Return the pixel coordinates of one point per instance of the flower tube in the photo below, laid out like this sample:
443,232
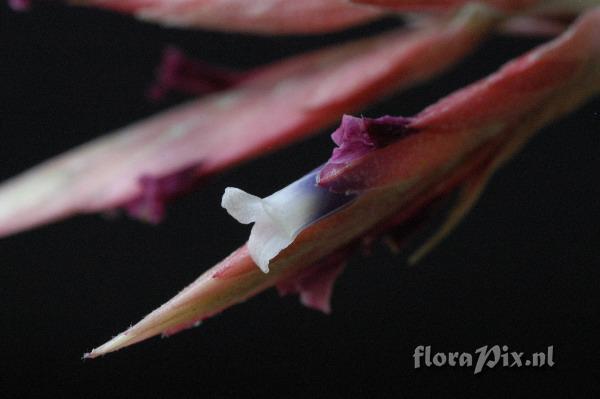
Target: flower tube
280,217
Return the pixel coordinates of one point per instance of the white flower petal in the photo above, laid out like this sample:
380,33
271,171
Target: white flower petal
280,217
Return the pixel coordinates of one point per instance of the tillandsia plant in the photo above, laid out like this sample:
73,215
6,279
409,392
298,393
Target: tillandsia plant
385,174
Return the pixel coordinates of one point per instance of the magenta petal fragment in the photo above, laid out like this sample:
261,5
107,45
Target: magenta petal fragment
358,136
178,72
315,283
19,5
352,139
149,205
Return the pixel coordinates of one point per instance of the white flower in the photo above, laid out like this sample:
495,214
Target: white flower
280,217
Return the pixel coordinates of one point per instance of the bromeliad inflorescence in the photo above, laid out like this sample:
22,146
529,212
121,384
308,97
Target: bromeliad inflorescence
384,173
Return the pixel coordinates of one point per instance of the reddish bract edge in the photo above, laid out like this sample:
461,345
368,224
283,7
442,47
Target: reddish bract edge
271,108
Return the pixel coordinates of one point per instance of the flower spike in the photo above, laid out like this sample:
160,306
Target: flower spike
458,142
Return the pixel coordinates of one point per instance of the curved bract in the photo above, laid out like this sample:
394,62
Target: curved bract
141,166
264,17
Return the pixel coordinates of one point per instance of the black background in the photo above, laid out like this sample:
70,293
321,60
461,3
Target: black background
522,269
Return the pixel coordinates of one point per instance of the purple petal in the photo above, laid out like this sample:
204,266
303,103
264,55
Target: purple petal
149,205
358,136
315,284
19,5
178,72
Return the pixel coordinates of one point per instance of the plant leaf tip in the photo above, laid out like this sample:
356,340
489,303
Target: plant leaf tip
118,342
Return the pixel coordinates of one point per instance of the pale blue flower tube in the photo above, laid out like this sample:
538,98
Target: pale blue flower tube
280,217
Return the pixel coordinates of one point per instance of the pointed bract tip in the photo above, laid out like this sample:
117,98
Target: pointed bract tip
120,341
